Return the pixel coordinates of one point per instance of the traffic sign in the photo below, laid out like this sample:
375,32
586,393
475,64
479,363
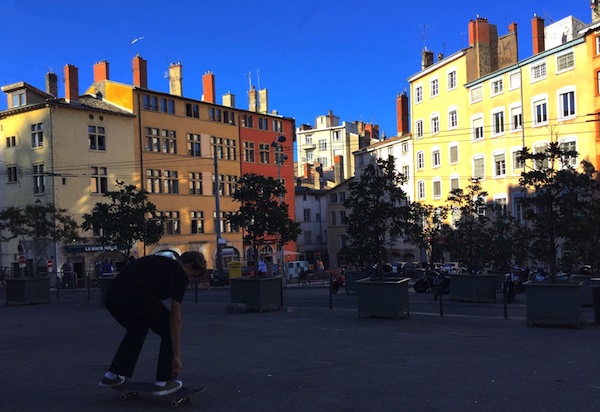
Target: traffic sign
22,261
49,265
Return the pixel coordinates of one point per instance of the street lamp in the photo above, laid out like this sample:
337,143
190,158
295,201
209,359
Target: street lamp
280,158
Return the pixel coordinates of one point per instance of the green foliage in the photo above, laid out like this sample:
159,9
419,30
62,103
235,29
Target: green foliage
261,214
378,211
126,218
426,229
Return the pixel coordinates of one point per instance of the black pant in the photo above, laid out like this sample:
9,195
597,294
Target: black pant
137,314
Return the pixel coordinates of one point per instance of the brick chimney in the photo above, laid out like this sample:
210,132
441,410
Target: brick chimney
176,79
52,84
252,99
71,83
537,32
402,113
208,84
263,101
101,71
426,59
140,72
338,169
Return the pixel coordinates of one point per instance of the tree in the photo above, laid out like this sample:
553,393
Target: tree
261,215
127,218
470,239
40,224
508,239
427,230
561,203
378,210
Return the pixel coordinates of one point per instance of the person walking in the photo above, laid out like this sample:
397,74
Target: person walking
134,299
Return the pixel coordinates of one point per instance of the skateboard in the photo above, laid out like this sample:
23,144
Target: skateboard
183,395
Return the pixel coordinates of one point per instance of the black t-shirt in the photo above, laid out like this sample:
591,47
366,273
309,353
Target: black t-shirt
156,276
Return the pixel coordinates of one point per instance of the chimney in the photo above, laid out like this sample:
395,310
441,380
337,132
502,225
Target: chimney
140,72
71,83
402,113
101,71
512,28
176,79
208,83
263,100
330,118
252,99
479,31
338,169
52,84
595,10
537,31
229,99
440,56
426,59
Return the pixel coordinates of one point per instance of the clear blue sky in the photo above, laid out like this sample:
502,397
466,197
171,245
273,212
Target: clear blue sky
349,56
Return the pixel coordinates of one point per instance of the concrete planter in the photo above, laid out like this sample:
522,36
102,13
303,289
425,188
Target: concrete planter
387,298
25,291
261,294
473,288
554,304
586,289
350,280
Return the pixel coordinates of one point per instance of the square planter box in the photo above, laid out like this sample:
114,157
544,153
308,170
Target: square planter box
554,304
586,289
473,288
24,291
387,298
351,278
261,294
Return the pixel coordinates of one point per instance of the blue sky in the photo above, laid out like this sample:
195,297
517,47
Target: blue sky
349,56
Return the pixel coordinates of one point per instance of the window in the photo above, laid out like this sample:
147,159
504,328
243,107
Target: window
249,151
566,104
436,158
197,222
565,61
538,71
193,144
150,102
497,86
225,148
247,120
342,217
404,148
518,209
333,198
453,154
342,197
454,182
497,123
307,215
11,172
514,80
167,105
499,164
229,117
540,112
308,139
406,172
225,226
435,123
195,183
97,138
322,144
277,126
98,180
418,94
152,139
39,179
420,160
307,237
153,181
569,145
476,94
435,87
477,128
419,128
170,181
192,110
169,141
540,148
263,153
597,45
437,188
231,182
478,168
500,205
517,162
11,141
336,136
452,82
263,123
171,220
214,114
19,99
452,118
333,218
37,135
421,189
278,155
516,118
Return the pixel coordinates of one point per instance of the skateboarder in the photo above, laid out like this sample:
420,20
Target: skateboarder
133,298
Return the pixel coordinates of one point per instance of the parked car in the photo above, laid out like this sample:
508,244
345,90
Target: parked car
453,268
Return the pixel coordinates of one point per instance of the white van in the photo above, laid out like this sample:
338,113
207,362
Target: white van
293,268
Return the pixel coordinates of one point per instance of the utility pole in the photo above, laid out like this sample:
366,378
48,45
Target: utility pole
218,216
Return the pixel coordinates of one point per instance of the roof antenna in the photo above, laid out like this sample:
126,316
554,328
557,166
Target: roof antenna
258,78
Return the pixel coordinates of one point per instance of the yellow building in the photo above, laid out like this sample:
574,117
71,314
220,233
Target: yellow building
473,127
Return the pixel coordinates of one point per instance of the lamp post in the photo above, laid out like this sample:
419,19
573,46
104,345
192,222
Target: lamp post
280,158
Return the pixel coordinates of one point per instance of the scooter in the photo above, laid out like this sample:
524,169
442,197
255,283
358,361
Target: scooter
431,282
338,281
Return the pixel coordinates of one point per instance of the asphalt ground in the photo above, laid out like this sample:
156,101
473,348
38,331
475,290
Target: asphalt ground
306,357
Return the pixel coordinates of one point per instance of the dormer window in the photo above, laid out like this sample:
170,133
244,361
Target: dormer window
19,99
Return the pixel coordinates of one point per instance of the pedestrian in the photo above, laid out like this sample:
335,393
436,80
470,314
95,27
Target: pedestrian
68,274
134,298
107,268
262,267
